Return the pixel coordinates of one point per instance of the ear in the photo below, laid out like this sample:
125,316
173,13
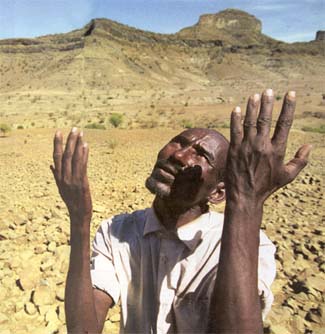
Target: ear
218,194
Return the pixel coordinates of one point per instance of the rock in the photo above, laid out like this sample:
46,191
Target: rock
320,35
40,249
30,308
3,319
43,295
28,278
61,314
298,324
317,283
19,306
51,316
51,247
60,292
3,293
279,329
48,263
111,328
115,317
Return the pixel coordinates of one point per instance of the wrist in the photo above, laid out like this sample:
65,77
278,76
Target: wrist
244,201
246,209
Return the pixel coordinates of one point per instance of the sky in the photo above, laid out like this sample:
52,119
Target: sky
290,21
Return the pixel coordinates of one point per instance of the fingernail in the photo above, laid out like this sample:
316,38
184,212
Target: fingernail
269,92
237,110
256,97
74,129
292,94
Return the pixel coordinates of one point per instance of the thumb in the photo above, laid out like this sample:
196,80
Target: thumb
300,160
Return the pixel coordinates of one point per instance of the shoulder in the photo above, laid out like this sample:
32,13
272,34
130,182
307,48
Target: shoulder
125,226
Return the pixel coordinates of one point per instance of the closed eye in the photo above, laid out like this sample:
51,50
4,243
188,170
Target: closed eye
202,152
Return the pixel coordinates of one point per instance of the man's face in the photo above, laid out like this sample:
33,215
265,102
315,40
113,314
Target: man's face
186,168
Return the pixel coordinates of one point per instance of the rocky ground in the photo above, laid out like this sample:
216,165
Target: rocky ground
34,227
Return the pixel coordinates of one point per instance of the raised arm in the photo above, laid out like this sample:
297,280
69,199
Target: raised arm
255,169
85,307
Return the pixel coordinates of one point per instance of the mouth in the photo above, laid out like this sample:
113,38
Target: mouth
162,175
168,168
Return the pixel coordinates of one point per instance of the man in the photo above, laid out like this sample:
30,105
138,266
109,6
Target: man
162,262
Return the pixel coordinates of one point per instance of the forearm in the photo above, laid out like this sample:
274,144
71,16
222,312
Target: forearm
79,299
236,301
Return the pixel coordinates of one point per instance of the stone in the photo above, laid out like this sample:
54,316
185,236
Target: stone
43,295
279,329
28,278
30,308
51,247
60,292
51,316
110,327
115,317
61,314
316,282
3,319
19,306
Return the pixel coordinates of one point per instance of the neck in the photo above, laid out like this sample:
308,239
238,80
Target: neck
173,216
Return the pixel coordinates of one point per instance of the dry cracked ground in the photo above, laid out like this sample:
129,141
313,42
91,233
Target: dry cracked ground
34,227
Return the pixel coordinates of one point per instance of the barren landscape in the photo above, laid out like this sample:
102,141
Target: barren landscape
130,91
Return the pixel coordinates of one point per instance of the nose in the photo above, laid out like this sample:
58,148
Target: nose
183,156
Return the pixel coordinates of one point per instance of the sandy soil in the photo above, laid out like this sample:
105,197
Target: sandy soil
34,226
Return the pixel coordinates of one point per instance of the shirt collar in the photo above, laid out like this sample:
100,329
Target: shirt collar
190,234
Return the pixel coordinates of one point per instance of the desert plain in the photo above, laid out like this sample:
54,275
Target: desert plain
159,85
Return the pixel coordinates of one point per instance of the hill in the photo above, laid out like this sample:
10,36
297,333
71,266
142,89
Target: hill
108,67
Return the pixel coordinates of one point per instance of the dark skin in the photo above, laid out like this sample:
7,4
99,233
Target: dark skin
188,165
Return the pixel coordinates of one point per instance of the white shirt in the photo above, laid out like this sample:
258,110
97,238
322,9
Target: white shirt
165,279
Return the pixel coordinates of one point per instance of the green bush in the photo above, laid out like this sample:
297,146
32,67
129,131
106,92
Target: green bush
96,126
116,119
187,124
4,129
320,129
20,127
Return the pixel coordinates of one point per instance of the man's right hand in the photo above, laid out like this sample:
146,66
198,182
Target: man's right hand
70,173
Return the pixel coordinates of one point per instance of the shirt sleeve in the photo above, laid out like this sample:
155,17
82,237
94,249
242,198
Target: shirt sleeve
266,272
103,274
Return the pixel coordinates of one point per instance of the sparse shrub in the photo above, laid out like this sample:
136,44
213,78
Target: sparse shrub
225,125
20,127
187,124
4,129
112,143
278,97
320,129
116,119
96,126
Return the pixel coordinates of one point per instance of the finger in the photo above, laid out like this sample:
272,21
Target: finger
294,166
57,155
264,119
77,160
250,117
68,154
236,131
284,122
54,173
85,157
85,164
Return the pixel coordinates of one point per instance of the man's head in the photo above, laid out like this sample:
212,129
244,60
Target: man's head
190,168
